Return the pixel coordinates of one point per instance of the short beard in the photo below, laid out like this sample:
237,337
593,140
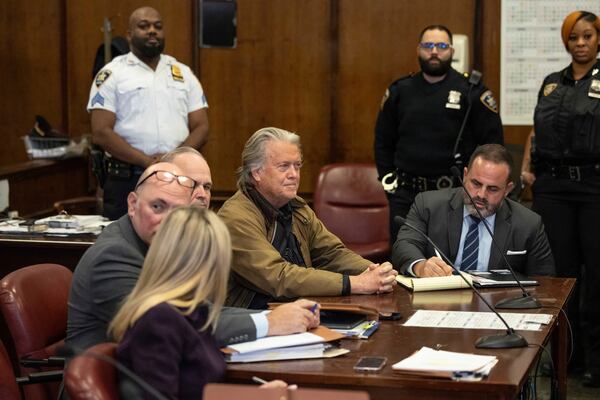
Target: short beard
472,209
148,52
435,70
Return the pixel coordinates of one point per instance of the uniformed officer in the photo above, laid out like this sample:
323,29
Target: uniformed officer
143,104
565,179
417,129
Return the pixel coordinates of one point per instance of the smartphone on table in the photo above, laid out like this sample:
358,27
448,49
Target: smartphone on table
370,364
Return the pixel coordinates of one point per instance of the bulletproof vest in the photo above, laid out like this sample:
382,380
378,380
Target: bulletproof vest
567,123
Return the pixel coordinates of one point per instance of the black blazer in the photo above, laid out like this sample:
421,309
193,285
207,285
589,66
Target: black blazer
439,214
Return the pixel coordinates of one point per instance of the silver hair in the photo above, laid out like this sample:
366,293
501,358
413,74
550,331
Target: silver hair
254,153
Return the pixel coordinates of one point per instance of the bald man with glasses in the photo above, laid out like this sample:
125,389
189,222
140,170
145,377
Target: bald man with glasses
422,113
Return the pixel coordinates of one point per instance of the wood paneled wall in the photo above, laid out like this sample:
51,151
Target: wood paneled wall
31,49
316,67
279,75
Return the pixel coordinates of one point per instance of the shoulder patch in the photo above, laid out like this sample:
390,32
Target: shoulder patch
176,73
488,100
102,76
549,88
384,99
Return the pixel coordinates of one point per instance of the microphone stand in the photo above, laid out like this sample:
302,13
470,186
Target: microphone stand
473,80
522,302
509,340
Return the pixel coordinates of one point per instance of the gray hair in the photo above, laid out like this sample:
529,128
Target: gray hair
254,153
170,156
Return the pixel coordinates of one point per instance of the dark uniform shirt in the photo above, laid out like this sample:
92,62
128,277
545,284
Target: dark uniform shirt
419,122
567,134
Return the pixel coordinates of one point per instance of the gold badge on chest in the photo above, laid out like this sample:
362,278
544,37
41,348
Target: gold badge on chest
453,100
176,73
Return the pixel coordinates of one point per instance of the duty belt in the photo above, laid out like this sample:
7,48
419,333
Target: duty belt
120,168
572,172
423,183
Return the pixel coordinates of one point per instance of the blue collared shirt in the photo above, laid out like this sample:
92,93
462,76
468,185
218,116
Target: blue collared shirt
485,241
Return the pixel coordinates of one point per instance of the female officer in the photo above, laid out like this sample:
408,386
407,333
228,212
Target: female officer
565,174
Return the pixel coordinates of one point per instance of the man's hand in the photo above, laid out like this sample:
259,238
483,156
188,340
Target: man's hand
378,278
293,318
435,266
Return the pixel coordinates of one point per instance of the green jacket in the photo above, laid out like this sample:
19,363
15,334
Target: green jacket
258,267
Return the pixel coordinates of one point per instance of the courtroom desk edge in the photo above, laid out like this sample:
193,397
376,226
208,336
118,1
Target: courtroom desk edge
48,241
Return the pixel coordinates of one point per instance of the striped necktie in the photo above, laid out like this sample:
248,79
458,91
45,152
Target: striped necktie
471,246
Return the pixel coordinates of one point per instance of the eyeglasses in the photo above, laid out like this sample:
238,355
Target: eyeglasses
438,45
166,176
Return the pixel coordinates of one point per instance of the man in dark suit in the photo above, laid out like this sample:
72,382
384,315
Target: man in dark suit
450,220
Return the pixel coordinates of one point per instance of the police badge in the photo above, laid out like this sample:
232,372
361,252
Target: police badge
176,73
102,76
453,100
594,89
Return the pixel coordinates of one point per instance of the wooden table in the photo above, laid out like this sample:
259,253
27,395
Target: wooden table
18,251
397,342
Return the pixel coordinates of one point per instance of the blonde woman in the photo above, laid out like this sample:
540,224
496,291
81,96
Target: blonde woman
165,326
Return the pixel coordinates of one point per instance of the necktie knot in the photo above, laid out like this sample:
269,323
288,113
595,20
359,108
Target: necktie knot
475,220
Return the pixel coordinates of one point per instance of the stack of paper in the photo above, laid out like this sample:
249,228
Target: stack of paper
288,347
435,283
447,364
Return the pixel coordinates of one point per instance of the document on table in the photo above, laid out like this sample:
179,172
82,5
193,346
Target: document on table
477,320
297,346
458,366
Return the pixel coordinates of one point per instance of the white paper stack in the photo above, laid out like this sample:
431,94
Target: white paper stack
288,347
447,364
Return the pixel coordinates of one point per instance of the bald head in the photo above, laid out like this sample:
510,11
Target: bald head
158,191
193,164
142,13
145,34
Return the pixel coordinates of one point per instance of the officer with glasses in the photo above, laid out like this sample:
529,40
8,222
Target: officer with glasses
417,130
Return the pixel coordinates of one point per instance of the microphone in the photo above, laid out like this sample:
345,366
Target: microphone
129,388
522,302
474,79
511,338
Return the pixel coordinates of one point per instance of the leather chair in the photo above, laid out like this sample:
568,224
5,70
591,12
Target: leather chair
9,384
352,204
220,391
33,301
88,376
9,390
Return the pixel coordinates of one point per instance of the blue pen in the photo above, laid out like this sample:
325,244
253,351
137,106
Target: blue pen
313,309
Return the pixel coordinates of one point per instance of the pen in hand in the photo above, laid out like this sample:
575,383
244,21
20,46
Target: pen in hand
261,381
256,379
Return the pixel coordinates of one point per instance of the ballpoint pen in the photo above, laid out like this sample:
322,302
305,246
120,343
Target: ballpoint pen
256,379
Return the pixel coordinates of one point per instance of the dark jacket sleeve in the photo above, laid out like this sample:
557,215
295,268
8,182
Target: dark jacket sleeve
410,245
486,123
235,326
386,130
540,260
